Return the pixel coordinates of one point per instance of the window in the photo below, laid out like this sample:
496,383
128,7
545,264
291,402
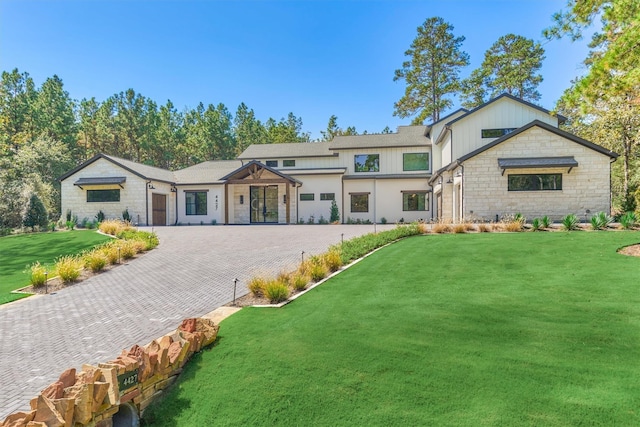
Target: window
415,162
327,196
360,202
272,163
367,162
307,197
288,163
103,195
415,201
196,202
535,182
496,133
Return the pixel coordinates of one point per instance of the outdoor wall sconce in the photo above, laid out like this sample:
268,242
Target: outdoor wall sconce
284,198
450,181
241,199
150,186
174,189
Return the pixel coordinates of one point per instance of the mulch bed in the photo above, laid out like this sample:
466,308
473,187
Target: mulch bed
633,250
56,284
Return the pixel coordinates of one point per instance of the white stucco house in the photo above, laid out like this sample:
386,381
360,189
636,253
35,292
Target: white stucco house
507,156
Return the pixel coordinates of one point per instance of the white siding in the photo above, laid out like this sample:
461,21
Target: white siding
390,159
504,113
215,205
317,184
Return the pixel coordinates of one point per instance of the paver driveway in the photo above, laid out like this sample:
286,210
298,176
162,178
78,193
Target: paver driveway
190,274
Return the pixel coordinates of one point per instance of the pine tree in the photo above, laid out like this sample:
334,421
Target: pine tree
36,214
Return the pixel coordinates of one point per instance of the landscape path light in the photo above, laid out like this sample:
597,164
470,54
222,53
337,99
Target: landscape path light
235,282
46,284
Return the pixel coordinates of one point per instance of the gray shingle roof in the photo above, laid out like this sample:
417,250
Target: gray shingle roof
288,150
146,171
206,172
407,136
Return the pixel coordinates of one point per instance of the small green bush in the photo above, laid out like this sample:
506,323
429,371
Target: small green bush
100,216
358,247
37,275
126,216
536,224
545,222
95,260
570,222
69,268
600,221
628,220
334,215
276,291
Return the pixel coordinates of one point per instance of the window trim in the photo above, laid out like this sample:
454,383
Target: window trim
503,132
196,205
404,168
426,200
103,192
355,163
532,182
307,198
351,202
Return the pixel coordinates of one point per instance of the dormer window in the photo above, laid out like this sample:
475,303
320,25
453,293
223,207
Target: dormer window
496,133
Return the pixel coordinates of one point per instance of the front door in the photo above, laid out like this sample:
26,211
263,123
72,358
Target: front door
264,204
159,204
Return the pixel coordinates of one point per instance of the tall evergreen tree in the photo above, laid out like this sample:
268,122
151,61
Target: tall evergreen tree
54,113
35,214
17,98
248,130
510,65
431,73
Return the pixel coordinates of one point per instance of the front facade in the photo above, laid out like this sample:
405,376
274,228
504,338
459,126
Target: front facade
504,157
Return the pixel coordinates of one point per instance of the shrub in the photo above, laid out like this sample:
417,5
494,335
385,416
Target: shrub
276,291
570,222
95,260
126,216
71,225
110,252
37,275
497,226
357,247
383,220
469,226
334,215
284,277
138,245
36,214
323,221
484,228
332,260
69,268
100,216
628,220
127,249
459,228
545,222
442,227
311,220
600,221
257,286
536,224
423,228
114,227
299,281
512,226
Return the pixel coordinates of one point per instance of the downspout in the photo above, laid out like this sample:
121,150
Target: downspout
610,185
297,204
176,193
146,190
462,194
342,196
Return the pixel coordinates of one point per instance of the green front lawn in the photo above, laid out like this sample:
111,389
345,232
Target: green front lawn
463,330
20,251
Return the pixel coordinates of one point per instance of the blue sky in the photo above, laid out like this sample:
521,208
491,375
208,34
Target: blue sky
313,58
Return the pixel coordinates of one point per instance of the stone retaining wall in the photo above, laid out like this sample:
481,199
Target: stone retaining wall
93,396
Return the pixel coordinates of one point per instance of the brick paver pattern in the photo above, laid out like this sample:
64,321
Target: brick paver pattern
190,274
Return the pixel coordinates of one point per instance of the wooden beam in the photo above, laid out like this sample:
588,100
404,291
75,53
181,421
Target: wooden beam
288,204
226,204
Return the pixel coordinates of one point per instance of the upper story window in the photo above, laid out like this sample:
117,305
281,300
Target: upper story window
367,162
103,195
496,133
535,182
415,162
272,163
288,163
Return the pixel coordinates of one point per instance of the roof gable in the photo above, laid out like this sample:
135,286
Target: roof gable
143,171
547,127
255,169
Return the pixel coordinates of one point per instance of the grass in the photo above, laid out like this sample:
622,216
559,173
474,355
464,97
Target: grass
20,251
458,329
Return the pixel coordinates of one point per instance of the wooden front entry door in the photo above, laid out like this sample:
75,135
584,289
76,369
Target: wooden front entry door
159,209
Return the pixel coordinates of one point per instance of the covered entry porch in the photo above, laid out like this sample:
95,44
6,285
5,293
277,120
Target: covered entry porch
258,194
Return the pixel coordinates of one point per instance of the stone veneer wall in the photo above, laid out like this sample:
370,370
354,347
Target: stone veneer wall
586,187
93,396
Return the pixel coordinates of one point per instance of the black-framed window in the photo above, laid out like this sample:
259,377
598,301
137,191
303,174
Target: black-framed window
103,195
367,162
496,133
360,202
289,163
327,196
535,182
415,201
196,202
415,161
272,163
307,197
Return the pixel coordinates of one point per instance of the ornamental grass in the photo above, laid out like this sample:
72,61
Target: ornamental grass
276,291
37,275
95,260
69,268
257,285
